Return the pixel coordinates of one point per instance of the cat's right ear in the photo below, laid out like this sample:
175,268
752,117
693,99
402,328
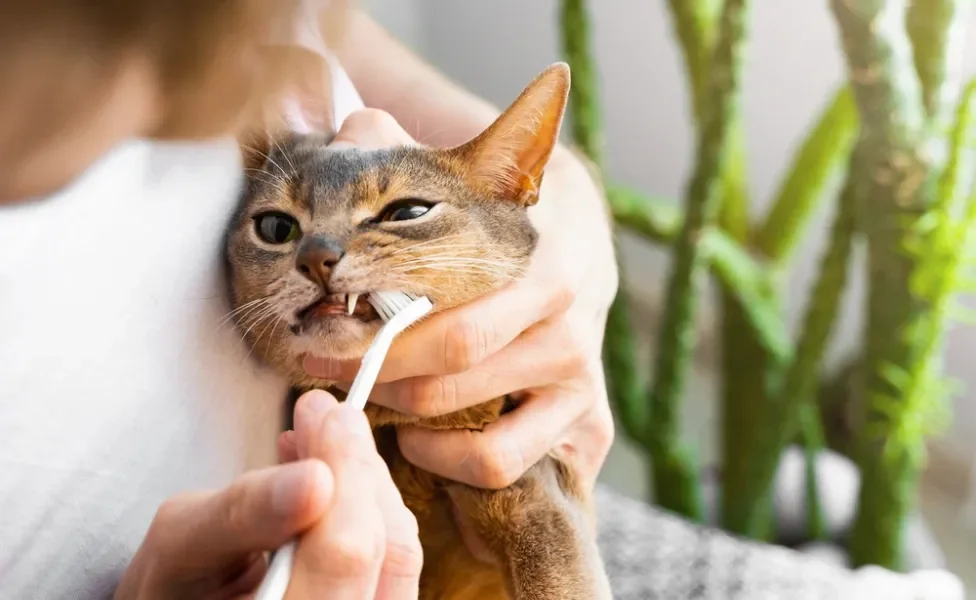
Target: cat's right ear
303,105
508,159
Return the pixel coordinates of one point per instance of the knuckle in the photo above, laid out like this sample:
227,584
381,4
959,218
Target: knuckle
575,363
432,396
403,558
352,551
466,343
235,509
604,430
404,555
173,510
169,511
575,358
499,465
562,297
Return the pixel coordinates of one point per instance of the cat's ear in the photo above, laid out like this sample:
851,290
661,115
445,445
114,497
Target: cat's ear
304,104
507,160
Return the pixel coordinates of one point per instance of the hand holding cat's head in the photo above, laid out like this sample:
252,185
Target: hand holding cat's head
327,217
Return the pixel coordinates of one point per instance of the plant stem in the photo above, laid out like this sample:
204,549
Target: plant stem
897,186
655,220
938,35
781,421
671,467
624,385
813,443
696,25
585,113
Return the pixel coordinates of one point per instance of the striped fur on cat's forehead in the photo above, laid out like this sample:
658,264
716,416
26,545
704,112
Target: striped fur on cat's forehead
306,172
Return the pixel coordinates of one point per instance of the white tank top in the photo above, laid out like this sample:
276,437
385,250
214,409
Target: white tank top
121,382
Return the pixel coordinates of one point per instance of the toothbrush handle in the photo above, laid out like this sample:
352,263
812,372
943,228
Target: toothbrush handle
276,580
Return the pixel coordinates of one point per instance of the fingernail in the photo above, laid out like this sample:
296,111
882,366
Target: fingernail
289,489
318,367
326,368
350,421
319,402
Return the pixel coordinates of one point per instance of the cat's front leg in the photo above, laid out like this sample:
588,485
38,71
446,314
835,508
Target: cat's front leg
540,531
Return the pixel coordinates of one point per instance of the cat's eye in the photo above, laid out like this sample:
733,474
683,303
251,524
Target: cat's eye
405,210
276,228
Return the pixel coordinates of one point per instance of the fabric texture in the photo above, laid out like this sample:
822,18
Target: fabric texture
651,555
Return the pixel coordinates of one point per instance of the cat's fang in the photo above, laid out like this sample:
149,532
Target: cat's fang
351,303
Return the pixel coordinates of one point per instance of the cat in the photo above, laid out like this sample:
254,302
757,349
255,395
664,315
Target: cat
317,225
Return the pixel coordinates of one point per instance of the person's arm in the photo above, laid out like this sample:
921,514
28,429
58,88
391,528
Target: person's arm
432,108
390,77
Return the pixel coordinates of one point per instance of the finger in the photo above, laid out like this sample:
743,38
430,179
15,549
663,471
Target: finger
248,579
587,442
287,447
403,556
311,409
457,339
371,129
543,355
343,553
497,456
259,512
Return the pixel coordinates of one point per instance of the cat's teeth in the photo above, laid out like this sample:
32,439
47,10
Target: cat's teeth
351,303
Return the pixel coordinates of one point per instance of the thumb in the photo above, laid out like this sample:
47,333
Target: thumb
259,512
371,129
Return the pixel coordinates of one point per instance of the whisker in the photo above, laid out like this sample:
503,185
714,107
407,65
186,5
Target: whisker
275,185
285,154
268,158
456,260
260,335
274,176
455,247
466,269
241,312
425,243
272,161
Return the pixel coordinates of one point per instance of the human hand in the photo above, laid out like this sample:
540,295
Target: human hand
367,544
357,541
540,338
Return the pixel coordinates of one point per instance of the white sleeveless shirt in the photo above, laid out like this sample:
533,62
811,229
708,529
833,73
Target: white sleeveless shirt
121,381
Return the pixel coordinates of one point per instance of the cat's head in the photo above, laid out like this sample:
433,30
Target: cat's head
317,226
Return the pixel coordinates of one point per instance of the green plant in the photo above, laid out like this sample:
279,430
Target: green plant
899,133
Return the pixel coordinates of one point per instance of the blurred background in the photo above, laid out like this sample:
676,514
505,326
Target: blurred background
794,64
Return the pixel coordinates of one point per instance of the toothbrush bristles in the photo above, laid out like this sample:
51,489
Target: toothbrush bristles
389,303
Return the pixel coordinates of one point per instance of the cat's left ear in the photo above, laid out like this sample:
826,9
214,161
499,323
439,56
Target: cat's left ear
305,104
507,160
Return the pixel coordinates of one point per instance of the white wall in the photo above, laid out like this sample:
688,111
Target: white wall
794,65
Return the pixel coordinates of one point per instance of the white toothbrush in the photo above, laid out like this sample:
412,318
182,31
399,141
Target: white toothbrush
400,310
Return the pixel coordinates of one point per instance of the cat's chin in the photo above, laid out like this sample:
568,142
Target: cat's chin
338,338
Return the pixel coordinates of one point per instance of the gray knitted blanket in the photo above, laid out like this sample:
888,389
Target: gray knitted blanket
653,555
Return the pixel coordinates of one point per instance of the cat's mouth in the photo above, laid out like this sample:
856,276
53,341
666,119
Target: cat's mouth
339,305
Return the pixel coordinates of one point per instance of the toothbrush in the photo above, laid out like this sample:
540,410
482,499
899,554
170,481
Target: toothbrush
399,310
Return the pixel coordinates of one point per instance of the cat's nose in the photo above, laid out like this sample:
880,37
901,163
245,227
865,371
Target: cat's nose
316,257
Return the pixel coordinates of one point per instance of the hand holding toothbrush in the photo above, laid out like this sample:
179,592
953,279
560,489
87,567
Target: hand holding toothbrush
358,541
539,338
